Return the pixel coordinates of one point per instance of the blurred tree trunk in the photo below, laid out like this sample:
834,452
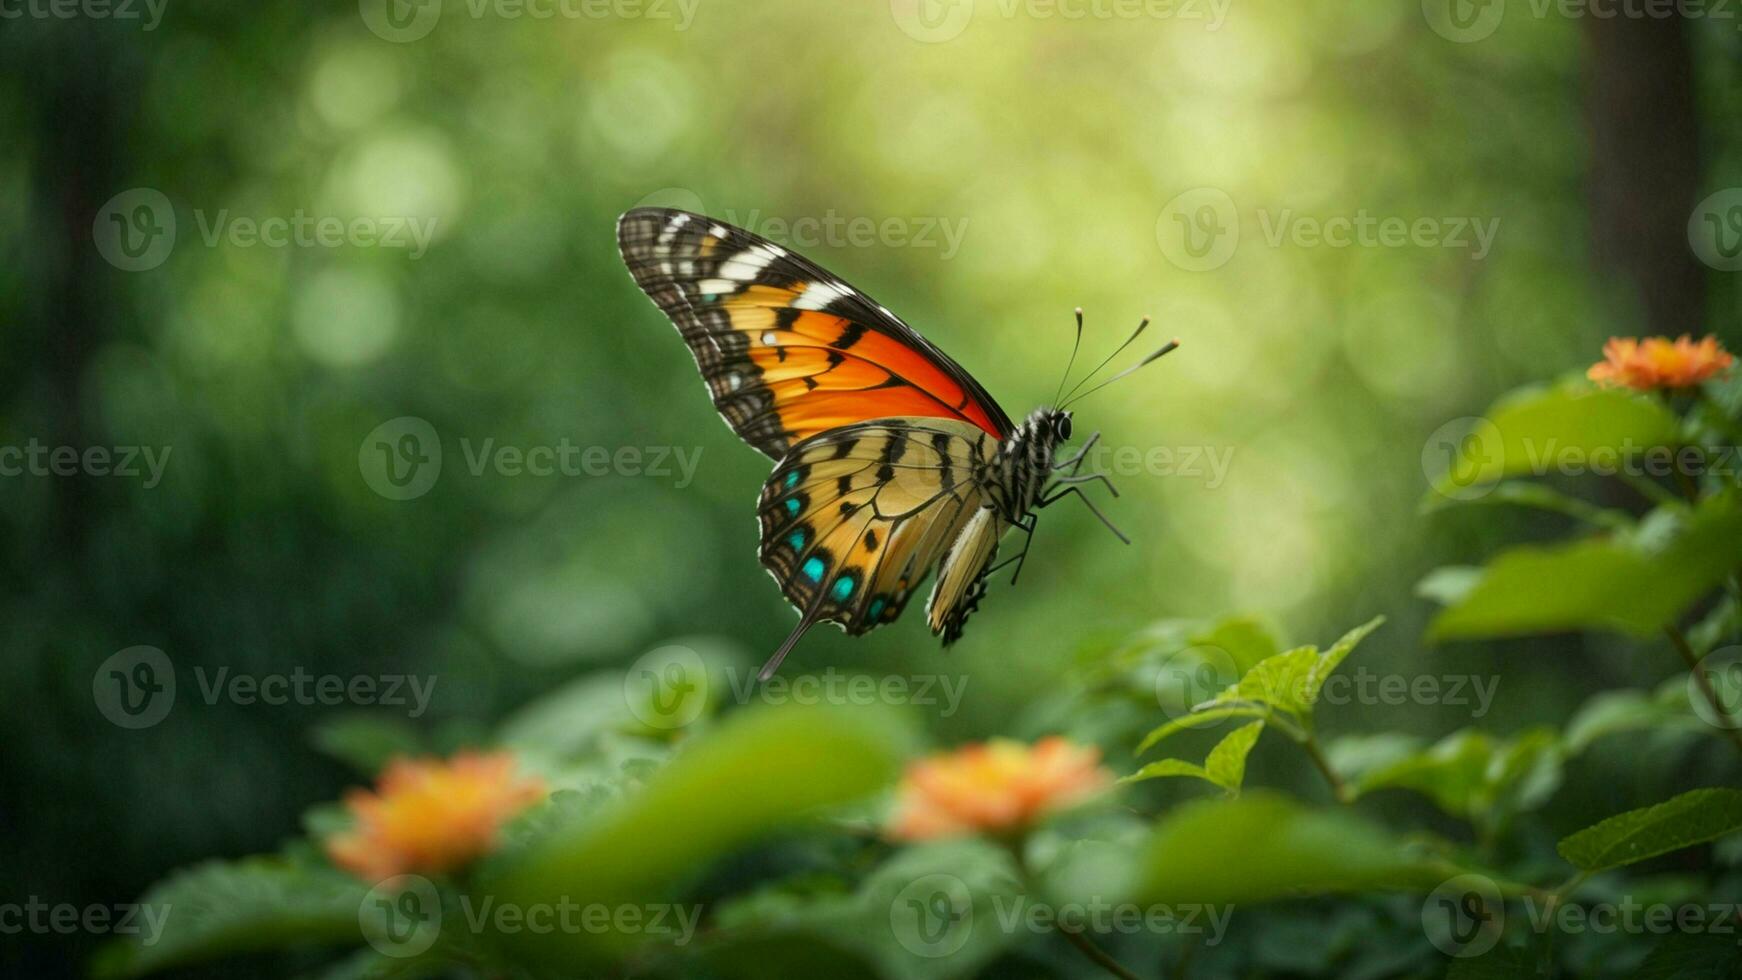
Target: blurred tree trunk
1645,169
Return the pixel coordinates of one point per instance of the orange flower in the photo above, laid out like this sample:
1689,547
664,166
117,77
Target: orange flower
430,815
1658,362
994,787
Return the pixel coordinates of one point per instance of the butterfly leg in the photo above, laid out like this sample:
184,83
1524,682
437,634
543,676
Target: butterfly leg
1076,462
1027,525
1087,478
1044,501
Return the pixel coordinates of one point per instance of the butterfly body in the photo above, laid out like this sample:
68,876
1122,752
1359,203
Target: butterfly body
891,460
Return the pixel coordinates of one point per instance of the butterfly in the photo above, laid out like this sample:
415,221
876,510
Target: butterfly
891,460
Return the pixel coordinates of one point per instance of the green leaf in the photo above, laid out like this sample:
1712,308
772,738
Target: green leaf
1615,712
1451,772
1692,818
1475,776
1540,430
1201,717
1633,584
760,771
223,909
1331,659
1288,682
1499,963
1226,763
1521,493
367,741
1449,584
1292,681
929,912
1263,846
1246,640
1692,956
1225,766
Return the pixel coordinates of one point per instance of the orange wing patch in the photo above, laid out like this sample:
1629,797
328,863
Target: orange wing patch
787,350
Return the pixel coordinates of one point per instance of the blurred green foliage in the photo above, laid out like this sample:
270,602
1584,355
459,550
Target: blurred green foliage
1052,146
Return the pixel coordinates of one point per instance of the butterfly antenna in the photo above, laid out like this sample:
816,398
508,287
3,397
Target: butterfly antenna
1073,360
1134,335
1169,346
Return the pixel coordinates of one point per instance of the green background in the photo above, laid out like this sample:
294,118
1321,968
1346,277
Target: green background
1052,145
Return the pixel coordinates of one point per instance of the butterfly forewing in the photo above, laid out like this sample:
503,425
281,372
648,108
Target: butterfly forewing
788,350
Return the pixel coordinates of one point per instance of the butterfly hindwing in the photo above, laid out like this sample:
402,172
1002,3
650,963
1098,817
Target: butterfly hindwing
789,351
855,518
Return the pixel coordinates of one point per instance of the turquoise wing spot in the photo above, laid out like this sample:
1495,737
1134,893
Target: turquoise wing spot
792,506
814,568
844,588
796,539
876,610
792,479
